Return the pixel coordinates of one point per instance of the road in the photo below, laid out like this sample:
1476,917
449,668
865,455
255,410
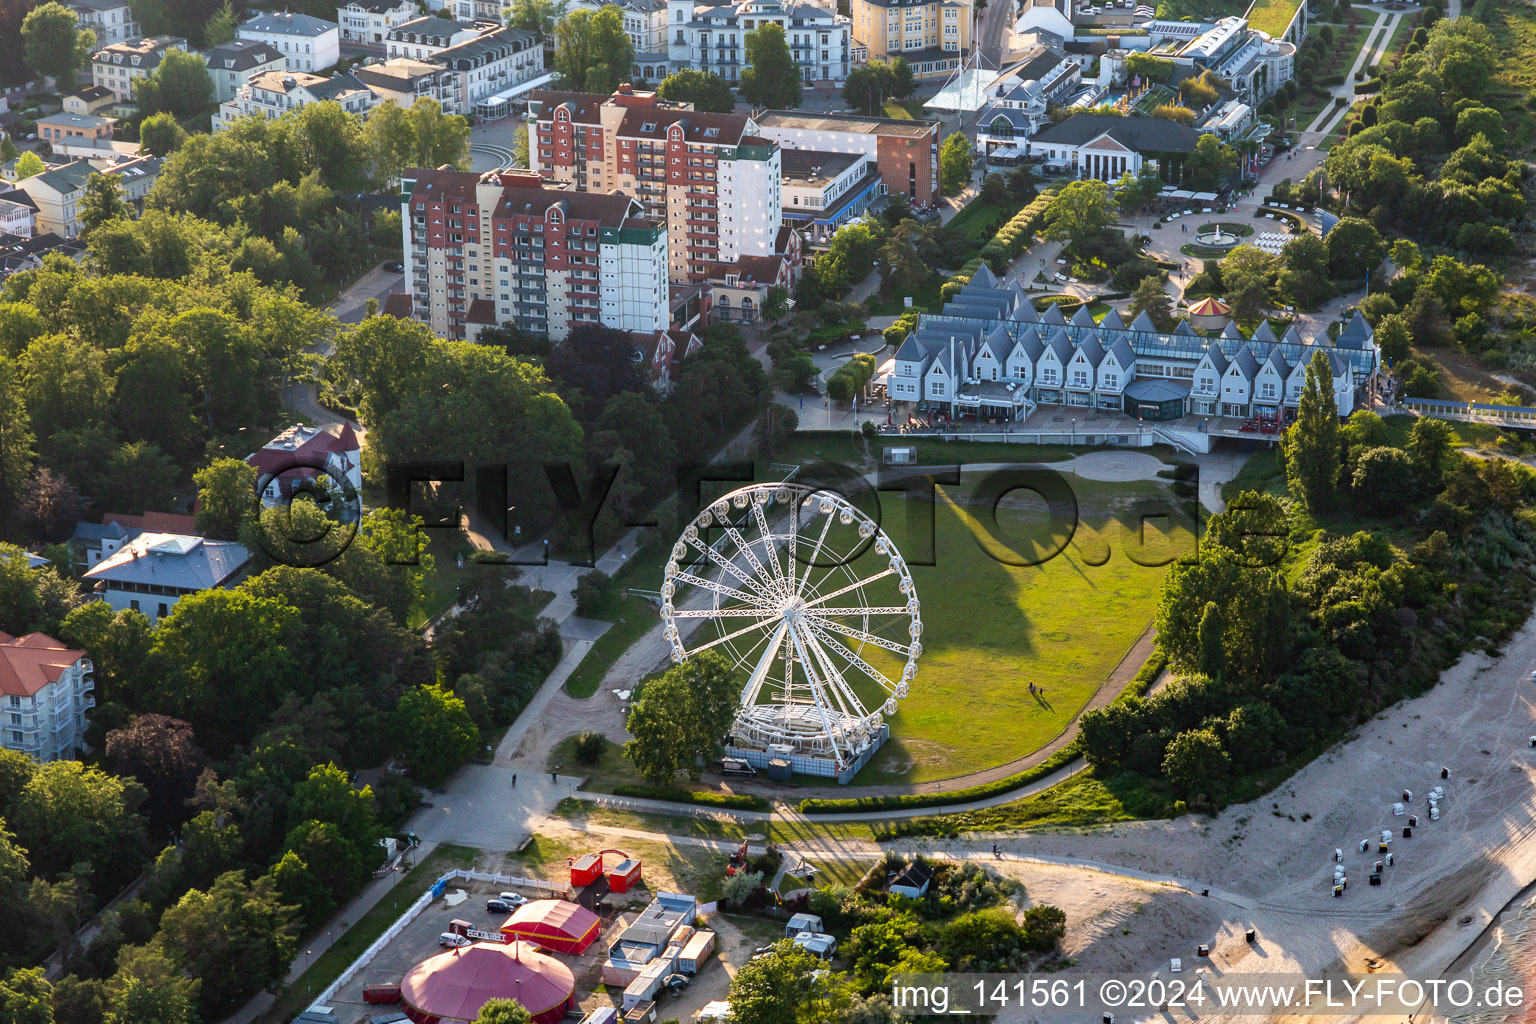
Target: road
996,30
350,308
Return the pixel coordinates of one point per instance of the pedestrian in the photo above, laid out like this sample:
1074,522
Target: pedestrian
514,780
553,777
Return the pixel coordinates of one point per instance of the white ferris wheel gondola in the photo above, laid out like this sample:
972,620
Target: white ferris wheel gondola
799,589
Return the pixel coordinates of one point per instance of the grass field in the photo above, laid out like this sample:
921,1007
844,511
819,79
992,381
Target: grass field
978,218
990,629
1272,16
631,618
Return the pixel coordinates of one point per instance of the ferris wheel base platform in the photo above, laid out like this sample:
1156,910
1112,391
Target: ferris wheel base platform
811,764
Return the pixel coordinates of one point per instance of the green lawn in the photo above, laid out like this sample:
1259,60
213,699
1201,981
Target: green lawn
631,618
990,629
978,219
925,298
1272,16
361,935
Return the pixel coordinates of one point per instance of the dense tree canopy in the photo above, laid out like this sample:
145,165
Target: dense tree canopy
769,77
593,53
704,89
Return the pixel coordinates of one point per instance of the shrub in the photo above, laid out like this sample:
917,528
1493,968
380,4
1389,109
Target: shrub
592,591
590,747
735,801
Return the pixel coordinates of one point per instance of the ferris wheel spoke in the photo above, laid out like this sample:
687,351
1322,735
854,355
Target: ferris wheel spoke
860,635
764,665
810,563
731,567
723,590
818,697
892,609
717,641
725,613
771,543
837,690
769,580
824,598
875,675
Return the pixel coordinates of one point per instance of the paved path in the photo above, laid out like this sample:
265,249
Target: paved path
1329,117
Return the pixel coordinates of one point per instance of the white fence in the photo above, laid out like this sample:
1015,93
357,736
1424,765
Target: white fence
399,924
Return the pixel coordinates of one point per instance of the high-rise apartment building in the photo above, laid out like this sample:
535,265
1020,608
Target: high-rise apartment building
712,179
506,246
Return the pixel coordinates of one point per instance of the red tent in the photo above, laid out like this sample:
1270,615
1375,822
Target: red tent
554,924
452,986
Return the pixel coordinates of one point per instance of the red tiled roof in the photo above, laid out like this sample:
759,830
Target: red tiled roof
397,304
31,662
729,129
481,311
155,522
584,105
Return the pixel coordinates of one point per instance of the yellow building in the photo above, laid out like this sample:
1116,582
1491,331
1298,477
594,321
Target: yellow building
922,31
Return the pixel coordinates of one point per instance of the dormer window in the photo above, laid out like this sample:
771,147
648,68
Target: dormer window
649,126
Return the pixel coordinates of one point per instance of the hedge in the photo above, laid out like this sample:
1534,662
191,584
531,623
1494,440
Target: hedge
736,801
1057,761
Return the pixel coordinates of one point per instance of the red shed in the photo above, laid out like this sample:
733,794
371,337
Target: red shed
555,924
587,869
624,876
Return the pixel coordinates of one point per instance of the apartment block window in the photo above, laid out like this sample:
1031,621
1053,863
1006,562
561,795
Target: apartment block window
936,389
15,702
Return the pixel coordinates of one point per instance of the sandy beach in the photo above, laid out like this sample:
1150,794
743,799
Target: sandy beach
1269,863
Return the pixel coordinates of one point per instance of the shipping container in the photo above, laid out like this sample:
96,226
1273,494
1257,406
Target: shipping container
696,952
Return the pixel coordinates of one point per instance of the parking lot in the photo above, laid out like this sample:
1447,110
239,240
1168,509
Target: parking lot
419,940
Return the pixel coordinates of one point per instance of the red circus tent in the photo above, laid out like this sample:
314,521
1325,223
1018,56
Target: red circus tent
555,924
452,986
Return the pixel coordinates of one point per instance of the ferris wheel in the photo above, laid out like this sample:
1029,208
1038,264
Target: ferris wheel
812,601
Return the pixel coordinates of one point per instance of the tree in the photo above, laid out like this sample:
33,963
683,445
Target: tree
235,938
68,813
56,46
901,262
770,989
1354,248
520,156
28,164
1210,164
221,27
1196,765
147,988
1383,480
1392,336
502,1011
50,506
1311,446
681,717
597,362
438,138
1429,442
103,201
179,85
162,753
8,150
226,494
955,163
16,439
770,77
434,733
593,53
704,89
537,16
775,427
776,303
1151,298
1044,927
1078,212
1304,270
26,997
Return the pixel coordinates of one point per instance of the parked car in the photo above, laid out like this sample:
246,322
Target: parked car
448,940
736,766
498,906
675,983
393,266
512,899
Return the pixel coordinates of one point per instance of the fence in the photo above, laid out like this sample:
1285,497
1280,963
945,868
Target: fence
1522,417
399,924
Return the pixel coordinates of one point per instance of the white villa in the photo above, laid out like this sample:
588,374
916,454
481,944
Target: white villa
991,354
45,691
